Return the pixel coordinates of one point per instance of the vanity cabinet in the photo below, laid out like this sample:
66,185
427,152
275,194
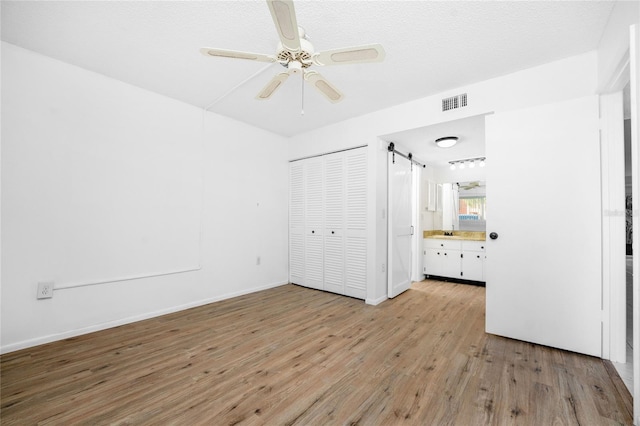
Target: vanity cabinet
442,258
454,258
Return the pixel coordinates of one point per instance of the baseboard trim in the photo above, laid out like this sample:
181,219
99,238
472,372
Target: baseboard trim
116,323
377,301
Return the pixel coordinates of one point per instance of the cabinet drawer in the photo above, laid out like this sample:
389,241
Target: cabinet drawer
474,245
435,243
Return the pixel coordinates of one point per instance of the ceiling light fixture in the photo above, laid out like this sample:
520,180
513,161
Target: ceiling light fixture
460,164
447,141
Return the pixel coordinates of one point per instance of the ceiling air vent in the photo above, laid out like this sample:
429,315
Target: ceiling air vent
454,102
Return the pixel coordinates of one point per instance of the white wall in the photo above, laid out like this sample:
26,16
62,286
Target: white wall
427,218
561,80
244,167
613,50
244,207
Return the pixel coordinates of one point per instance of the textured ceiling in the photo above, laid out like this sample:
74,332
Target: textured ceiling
430,47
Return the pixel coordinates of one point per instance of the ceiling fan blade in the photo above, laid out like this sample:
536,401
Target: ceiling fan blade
323,86
208,51
284,17
350,55
272,86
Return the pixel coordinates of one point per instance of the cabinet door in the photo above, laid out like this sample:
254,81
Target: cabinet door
334,207
433,262
473,260
314,244
355,254
473,266
296,223
451,264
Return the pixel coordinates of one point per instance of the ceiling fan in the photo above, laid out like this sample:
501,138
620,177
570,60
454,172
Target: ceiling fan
470,185
296,54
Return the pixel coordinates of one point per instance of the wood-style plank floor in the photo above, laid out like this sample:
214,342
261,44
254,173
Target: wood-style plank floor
292,355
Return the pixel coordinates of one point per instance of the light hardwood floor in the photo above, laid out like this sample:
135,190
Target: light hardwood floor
292,355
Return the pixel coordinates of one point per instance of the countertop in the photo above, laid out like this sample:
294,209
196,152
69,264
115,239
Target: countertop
457,235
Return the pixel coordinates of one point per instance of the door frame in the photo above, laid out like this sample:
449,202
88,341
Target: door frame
634,69
416,238
613,227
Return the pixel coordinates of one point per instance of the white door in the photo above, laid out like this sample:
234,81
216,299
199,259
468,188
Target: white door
399,225
314,223
356,223
543,185
334,206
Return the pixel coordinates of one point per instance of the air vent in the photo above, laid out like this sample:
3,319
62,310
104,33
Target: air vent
454,102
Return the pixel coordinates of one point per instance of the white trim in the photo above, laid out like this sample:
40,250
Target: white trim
614,317
634,57
416,238
327,153
110,324
377,301
619,77
129,278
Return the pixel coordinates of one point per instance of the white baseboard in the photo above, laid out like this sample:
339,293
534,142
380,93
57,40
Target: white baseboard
377,301
110,324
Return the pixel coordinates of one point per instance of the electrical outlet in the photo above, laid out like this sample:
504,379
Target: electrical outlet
45,290
258,260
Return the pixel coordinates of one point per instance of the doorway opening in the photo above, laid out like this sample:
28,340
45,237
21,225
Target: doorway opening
437,186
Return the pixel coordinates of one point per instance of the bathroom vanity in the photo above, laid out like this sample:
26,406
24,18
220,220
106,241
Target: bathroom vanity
460,256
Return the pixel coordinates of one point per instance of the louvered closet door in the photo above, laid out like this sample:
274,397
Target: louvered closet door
314,226
356,223
334,206
296,223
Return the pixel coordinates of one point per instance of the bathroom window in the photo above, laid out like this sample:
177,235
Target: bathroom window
472,213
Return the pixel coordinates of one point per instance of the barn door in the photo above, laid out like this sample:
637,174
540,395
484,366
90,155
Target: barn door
400,225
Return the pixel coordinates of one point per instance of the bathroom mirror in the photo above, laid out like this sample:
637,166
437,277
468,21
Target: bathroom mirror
464,206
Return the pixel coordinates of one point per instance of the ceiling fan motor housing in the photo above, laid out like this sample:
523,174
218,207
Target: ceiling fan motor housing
303,56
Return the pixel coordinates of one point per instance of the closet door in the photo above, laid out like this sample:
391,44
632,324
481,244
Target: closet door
314,226
334,199
296,223
355,205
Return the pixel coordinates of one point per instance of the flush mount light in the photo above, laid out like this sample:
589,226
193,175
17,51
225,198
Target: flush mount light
447,141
